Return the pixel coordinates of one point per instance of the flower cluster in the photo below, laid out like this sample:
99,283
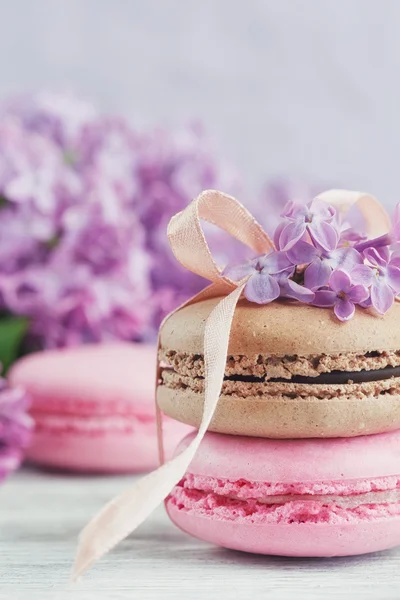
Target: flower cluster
84,204
322,261
15,427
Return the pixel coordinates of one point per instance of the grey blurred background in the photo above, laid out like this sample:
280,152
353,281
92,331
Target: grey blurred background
308,89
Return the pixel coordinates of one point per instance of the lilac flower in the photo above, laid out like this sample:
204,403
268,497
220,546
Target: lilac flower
315,218
321,262
382,275
342,295
264,275
84,205
277,194
15,427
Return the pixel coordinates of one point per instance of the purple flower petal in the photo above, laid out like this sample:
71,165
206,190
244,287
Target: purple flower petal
325,299
275,262
290,234
345,259
287,209
324,234
358,294
393,277
340,281
350,235
291,289
322,209
378,243
384,253
238,272
382,297
294,210
302,253
261,288
277,234
344,309
363,274
317,274
395,259
375,257
366,303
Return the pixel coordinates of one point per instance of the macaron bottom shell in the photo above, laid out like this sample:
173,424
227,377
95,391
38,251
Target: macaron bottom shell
304,498
290,539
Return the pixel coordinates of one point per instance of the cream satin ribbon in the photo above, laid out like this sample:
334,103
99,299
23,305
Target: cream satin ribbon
123,514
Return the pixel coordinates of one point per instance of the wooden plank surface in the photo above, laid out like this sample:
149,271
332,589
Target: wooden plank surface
41,515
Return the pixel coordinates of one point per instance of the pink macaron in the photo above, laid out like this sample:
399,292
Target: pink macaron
309,497
94,408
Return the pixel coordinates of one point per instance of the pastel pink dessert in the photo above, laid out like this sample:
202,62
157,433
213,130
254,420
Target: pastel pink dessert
94,408
309,497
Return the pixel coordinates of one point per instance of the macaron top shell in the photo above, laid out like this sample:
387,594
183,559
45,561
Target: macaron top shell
92,375
285,328
291,461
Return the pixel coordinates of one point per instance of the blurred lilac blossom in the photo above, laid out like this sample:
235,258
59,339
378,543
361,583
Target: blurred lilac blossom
314,218
15,427
85,201
55,116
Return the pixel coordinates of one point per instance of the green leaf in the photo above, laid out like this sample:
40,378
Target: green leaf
70,157
3,202
53,242
12,331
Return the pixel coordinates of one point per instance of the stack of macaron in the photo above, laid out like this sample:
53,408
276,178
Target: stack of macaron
94,408
302,457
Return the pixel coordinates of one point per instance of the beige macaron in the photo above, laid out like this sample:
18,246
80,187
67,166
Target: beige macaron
292,371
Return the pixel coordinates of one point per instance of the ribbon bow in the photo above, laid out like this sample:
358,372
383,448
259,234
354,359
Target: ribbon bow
125,513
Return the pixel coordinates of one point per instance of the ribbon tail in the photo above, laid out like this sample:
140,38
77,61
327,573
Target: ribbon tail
126,512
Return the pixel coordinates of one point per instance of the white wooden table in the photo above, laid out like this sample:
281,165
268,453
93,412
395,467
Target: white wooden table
42,513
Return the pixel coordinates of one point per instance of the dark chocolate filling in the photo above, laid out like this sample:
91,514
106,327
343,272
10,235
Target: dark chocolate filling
332,378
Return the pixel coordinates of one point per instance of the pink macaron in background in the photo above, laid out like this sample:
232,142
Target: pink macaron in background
306,497
94,409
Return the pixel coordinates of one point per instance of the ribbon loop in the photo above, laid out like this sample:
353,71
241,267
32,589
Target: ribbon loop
376,218
188,241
